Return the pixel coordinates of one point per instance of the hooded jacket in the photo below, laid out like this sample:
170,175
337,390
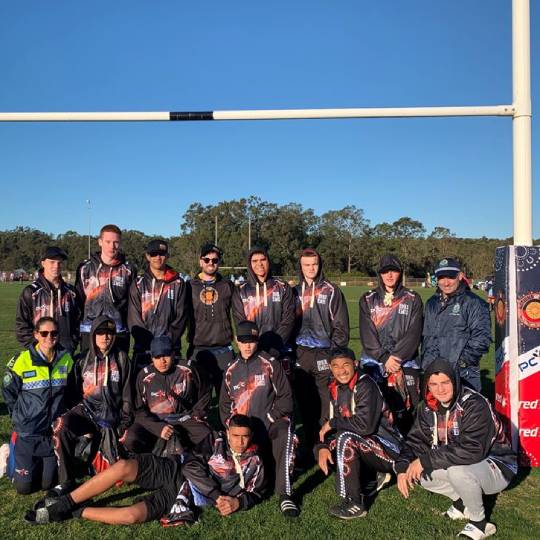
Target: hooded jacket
270,304
359,407
209,312
466,432
42,299
104,290
105,383
157,307
456,328
390,324
322,318
256,387
36,391
178,393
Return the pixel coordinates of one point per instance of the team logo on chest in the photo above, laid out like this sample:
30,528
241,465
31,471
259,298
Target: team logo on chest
403,309
322,298
260,380
209,296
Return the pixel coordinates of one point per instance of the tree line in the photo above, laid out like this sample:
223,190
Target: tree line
346,240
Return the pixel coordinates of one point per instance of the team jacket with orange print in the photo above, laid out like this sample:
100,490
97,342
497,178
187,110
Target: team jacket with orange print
256,387
394,329
157,307
160,396
104,290
42,299
210,312
270,305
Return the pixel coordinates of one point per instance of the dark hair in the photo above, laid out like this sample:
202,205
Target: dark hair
309,252
42,320
241,420
110,228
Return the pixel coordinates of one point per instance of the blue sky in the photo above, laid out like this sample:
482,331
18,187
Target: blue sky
214,55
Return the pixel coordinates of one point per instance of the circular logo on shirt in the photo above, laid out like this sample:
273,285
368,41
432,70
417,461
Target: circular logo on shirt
500,311
529,310
209,296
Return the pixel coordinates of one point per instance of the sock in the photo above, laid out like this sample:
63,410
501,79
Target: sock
480,524
458,505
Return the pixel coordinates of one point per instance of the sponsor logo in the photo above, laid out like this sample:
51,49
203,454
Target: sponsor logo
209,296
456,309
403,309
118,281
499,398
260,380
455,428
322,365
528,432
529,405
239,386
22,472
322,298
530,363
276,297
159,394
115,375
28,374
500,311
529,310
170,294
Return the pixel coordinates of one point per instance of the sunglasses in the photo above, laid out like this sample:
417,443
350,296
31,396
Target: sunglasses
47,333
208,260
157,254
105,332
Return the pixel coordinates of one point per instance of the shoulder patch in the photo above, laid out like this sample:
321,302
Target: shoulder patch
8,377
11,362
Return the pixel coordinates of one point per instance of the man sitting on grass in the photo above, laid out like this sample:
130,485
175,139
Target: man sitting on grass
457,448
232,479
359,436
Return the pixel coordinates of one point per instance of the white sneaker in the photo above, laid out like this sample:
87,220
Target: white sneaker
454,513
4,457
471,531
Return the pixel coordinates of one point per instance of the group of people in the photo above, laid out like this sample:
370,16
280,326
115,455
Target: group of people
409,407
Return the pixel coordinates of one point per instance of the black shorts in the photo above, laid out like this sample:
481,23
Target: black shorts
162,475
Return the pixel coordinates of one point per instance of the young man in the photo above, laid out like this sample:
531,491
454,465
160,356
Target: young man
390,333
49,296
268,302
102,283
255,384
210,330
231,480
457,448
103,377
322,323
34,390
457,324
171,401
157,303
359,437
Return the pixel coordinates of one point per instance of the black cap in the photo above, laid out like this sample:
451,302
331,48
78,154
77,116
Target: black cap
448,268
54,252
247,332
107,324
209,248
341,352
157,246
389,262
161,346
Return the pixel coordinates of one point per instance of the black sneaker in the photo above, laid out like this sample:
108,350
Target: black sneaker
348,509
383,479
61,489
288,507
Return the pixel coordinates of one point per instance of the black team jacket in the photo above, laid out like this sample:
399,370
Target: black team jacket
270,304
393,329
256,387
209,312
157,307
104,290
466,432
322,318
42,299
161,397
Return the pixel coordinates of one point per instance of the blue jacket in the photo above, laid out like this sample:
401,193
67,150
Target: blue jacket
457,329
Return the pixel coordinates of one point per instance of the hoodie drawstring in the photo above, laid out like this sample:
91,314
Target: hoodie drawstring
265,299
155,303
312,299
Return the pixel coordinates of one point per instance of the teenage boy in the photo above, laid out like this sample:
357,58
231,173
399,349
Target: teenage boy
102,283
171,402
157,303
457,447
359,437
255,384
49,296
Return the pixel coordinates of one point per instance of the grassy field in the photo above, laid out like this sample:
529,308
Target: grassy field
391,517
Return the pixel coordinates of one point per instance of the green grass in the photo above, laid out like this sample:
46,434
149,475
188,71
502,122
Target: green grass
391,517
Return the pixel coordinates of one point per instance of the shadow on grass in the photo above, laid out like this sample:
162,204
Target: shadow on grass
3,409
488,385
314,479
522,473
